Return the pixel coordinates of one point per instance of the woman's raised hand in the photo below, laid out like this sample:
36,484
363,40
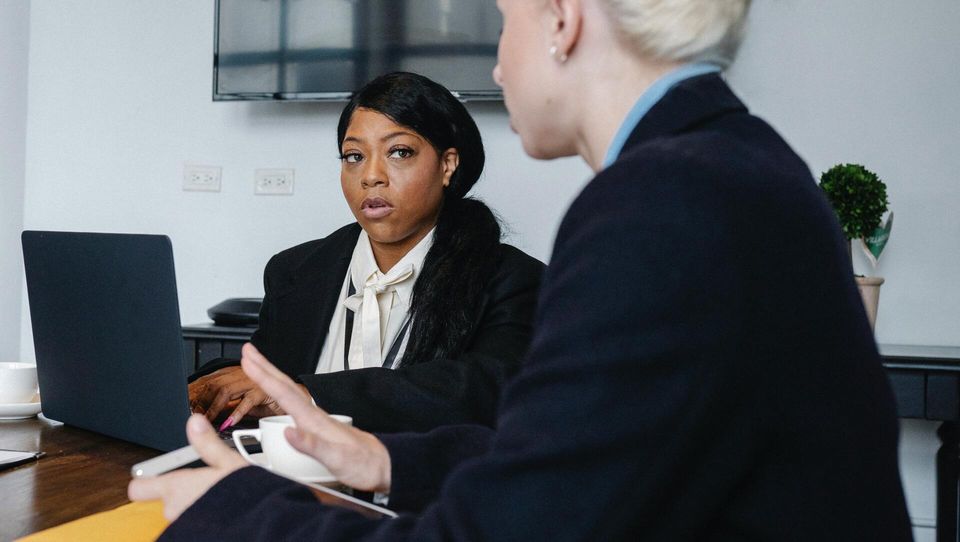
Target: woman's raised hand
357,458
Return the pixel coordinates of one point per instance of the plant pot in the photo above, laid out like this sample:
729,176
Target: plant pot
870,292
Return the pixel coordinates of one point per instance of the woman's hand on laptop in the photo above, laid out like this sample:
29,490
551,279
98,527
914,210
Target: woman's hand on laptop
231,387
357,458
180,489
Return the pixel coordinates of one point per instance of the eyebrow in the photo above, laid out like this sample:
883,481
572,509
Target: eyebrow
391,135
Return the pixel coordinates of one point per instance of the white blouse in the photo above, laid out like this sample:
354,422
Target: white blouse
379,307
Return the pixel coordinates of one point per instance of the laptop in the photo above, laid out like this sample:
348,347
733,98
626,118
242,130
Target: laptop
106,327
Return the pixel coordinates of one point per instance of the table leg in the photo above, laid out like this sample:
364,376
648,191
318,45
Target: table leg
948,476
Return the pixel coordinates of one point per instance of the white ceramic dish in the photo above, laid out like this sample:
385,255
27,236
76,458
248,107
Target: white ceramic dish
19,411
261,460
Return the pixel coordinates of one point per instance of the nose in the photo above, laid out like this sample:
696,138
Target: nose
374,174
497,78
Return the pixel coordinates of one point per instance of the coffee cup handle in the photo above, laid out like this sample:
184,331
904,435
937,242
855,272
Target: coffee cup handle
239,434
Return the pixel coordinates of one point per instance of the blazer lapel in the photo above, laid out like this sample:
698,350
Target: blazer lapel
316,290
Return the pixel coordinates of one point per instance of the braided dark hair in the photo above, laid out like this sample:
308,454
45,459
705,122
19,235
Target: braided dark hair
462,260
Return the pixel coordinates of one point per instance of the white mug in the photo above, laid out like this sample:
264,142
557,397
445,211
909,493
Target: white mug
18,382
279,455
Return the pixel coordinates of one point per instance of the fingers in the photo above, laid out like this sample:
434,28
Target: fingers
279,386
208,445
193,390
303,441
218,404
178,490
173,489
204,389
207,389
227,387
195,393
146,489
318,445
355,457
251,399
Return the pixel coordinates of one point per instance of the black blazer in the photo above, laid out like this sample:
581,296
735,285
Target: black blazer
701,369
301,289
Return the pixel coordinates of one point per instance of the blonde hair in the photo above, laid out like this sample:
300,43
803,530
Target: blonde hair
680,30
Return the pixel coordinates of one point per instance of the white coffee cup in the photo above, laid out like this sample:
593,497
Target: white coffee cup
18,382
280,456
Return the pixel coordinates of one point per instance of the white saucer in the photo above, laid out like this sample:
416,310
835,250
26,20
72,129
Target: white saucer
261,460
19,411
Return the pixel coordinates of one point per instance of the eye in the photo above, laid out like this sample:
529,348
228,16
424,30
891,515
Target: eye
351,157
400,153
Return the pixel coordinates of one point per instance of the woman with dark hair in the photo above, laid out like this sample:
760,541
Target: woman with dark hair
418,299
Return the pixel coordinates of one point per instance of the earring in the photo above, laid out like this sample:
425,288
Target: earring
553,53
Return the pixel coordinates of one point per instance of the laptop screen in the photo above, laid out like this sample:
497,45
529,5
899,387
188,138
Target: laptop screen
106,328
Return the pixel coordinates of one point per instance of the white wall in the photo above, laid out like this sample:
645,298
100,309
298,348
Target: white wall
119,97
14,42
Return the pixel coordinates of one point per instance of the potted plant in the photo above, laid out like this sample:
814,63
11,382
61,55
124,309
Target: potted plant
859,198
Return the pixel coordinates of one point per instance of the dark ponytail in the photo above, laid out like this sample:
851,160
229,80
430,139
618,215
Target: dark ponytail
464,255
455,274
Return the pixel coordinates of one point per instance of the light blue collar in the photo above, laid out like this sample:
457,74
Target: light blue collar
648,99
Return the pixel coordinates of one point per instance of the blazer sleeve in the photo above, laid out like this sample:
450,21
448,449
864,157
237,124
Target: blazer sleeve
276,508
464,390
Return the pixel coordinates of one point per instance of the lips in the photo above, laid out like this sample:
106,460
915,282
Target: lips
376,207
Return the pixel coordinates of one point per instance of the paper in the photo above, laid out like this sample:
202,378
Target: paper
12,458
130,523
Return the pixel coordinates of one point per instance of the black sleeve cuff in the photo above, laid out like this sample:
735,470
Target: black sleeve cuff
420,462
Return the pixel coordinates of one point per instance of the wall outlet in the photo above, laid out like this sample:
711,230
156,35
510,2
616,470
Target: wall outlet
273,182
201,178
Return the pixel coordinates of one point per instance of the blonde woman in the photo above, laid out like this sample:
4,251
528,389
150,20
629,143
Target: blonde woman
672,392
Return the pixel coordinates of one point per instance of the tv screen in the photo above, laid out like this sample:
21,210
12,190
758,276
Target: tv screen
326,49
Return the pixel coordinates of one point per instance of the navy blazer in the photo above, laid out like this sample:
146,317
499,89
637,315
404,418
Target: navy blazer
302,286
701,369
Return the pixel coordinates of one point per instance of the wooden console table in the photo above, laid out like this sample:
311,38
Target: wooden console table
204,342
926,383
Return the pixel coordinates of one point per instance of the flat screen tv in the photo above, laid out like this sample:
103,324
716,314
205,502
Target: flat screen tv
326,49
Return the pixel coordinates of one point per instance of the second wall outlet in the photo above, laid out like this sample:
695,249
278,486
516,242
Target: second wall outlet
273,182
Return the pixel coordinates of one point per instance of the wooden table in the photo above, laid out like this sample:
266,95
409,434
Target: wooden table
82,473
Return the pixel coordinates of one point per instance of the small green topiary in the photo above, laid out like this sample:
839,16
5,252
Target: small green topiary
858,196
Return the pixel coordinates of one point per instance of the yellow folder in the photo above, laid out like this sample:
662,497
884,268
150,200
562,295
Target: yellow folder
130,523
